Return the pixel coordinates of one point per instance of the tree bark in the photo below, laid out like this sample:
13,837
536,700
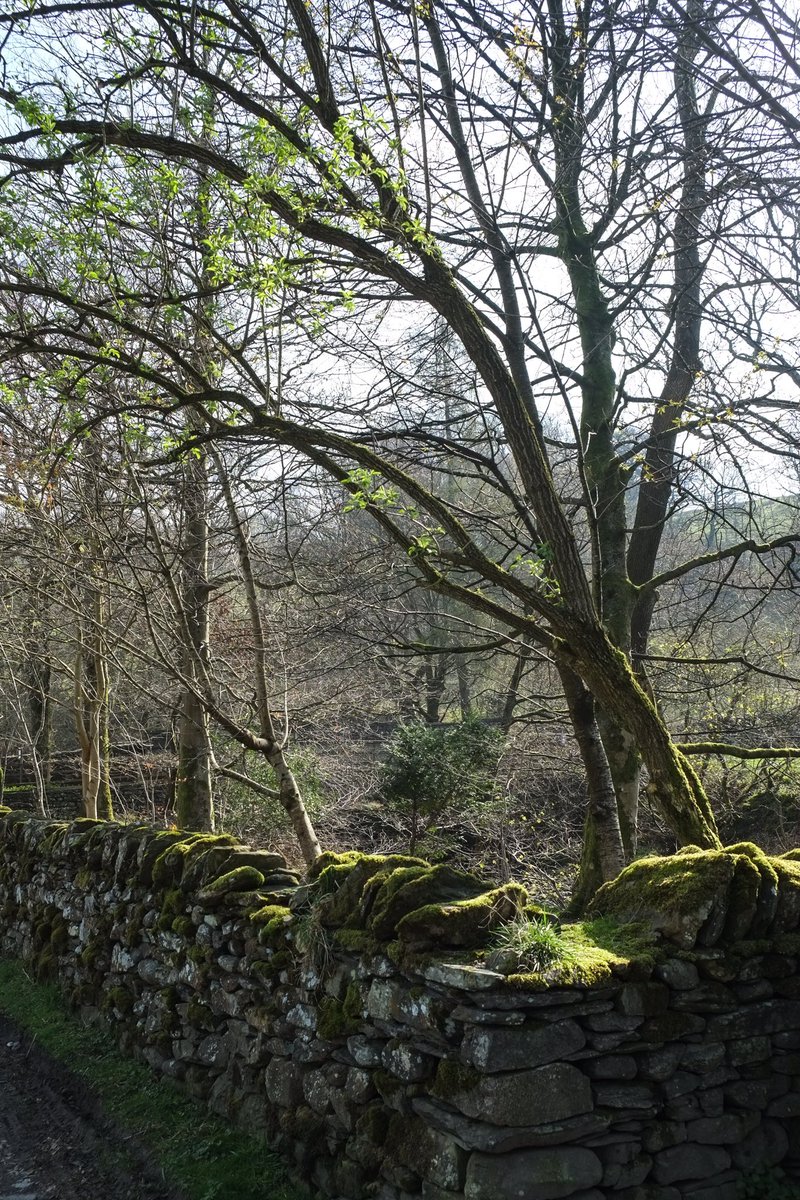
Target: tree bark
274,748
603,855
194,802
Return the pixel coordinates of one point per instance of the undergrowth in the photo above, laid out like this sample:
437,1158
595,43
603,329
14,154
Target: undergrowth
200,1155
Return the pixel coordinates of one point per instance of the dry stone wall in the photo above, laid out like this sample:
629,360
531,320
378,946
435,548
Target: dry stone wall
396,1075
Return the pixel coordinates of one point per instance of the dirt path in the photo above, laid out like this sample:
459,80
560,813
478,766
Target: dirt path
54,1142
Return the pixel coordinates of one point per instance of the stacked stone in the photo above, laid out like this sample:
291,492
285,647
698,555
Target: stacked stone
434,1079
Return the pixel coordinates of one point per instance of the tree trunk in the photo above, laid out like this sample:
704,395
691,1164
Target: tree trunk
274,749
676,787
194,802
603,855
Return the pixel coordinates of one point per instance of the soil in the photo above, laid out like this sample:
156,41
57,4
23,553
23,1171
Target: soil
55,1142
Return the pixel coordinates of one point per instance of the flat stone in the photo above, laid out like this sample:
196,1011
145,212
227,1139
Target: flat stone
493,1139
727,1189
659,1065
611,1066
367,1052
153,973
462,976
486,1016
643,999
660,1135
690,1161
549,1093
707,997
623,1095
756,1093
432,1191
672,1026
766,1146
532,1174
494,1050
518,1000
213,1052
405,1062
722,1130
771,1016
431,1154
628,1174
749,1050
678,975
283,1083
613,1022
648,1191
390,1000
785,1106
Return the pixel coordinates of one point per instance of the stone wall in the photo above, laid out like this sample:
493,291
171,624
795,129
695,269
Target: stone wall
395,1074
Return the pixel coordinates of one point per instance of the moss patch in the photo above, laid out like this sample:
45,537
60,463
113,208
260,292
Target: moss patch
707,896
240,879
676,896
464,923
388,897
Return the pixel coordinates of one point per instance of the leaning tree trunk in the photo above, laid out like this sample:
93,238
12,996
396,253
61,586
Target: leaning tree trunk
273,746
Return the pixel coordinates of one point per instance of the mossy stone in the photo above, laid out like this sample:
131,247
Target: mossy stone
357,941
787,915
742,899
240,879
675,895
463,923
767,903
452,1078
342,906
387,898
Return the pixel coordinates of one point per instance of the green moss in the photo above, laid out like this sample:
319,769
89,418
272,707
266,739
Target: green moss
341,884
332,1024
373,1124
183,926
93,954
594,953
676,895
271,968
173,905
329,858
84,879
390,896
269,913
357,941
155,846
240,879
119,998
275,921
743,895
453,1078
169,865
82,995
200,1015
389,1086
45,965
767,900
464,923
199,954
59,938
353,1003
